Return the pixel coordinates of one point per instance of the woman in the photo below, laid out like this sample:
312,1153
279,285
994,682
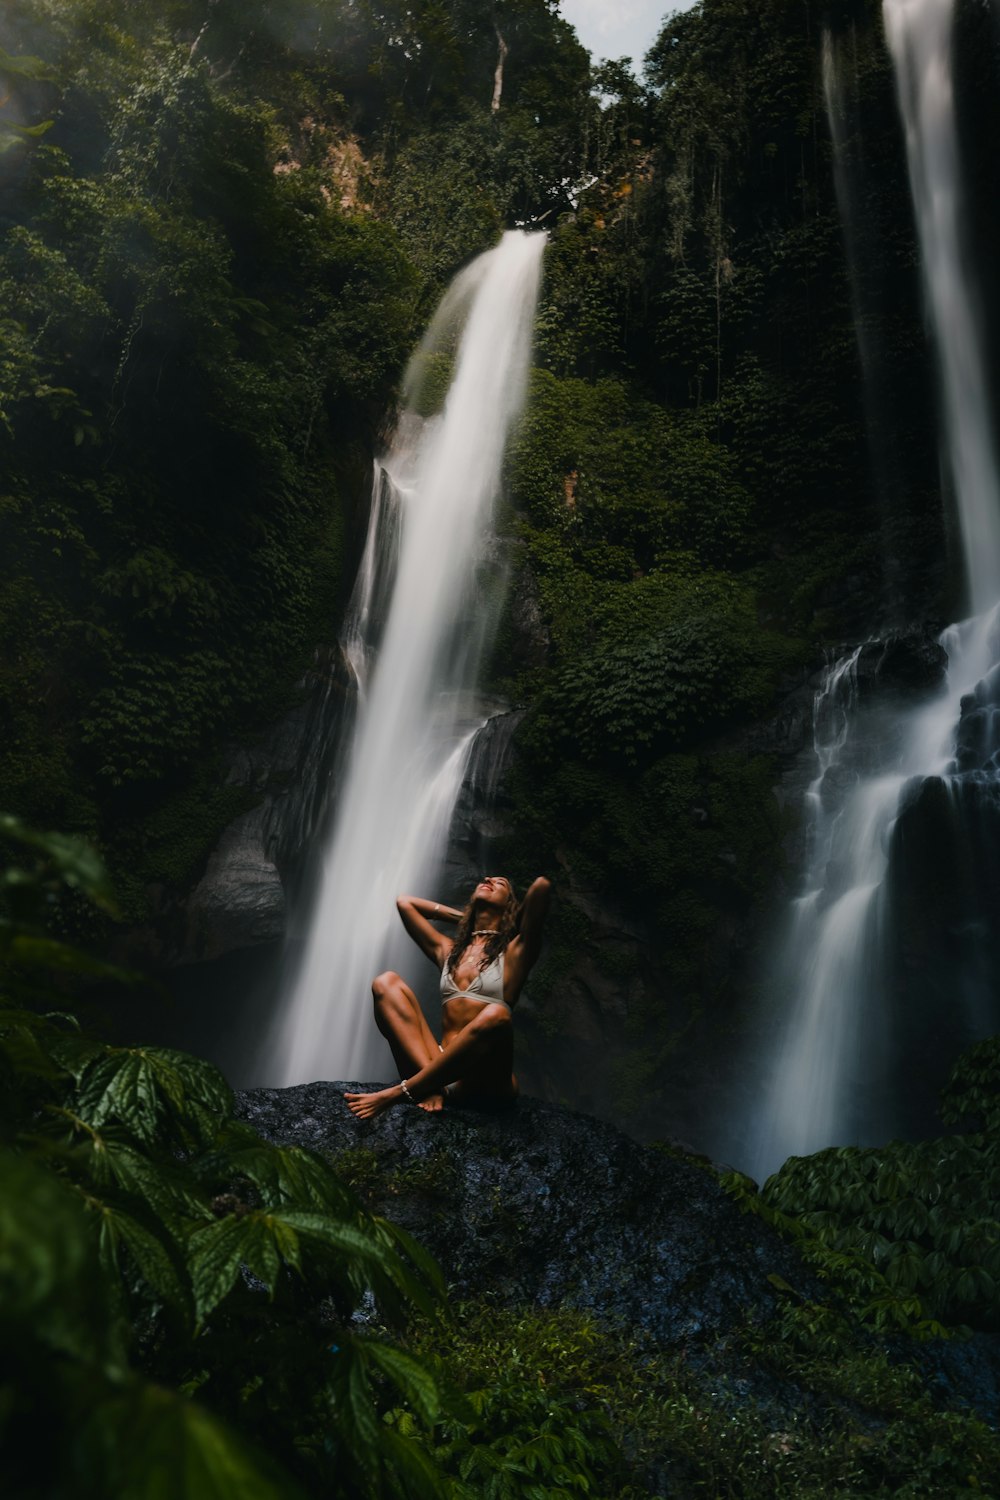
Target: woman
483,970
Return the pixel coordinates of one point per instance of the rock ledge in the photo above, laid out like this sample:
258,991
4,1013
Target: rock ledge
540,1205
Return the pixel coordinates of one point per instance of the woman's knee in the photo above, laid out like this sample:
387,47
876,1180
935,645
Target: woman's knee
385,984
492,1020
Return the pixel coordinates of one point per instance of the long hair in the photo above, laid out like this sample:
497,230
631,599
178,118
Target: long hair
510,921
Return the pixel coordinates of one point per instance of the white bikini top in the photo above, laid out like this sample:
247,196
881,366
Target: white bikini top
486,987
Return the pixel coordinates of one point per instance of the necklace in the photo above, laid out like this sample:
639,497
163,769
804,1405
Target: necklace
484,932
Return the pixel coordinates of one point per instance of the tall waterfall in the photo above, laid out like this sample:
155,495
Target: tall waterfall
905,808
418,622
919,33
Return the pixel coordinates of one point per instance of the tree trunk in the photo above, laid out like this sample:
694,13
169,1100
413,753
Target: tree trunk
498,75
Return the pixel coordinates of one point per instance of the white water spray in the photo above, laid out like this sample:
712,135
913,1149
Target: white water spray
828,1068
827,1077
919,33
416,629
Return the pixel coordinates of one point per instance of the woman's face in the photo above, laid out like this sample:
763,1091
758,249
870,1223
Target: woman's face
493,890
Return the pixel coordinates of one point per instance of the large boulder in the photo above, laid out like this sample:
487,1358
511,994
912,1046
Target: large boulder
541,1205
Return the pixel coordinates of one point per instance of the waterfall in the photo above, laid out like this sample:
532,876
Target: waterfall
419,619
919,33
889,964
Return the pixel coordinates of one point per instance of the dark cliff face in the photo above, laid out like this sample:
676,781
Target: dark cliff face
546,1207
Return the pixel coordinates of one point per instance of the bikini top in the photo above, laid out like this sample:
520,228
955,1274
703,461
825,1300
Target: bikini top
486,987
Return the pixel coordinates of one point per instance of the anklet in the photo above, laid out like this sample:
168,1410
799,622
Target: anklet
402,1084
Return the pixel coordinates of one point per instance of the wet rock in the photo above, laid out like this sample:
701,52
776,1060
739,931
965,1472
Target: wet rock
977,742
240,900
527,635
481,813
911,665
545,1206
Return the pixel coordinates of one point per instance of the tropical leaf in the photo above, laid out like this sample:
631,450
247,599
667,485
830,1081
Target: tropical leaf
151,1444
284,1174
166,1188
74,861
144,1087
218,1252
51,1288
17,135
24,66
154,1257
408,1463
413,1380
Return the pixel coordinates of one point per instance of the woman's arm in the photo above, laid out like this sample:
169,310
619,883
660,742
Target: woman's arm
527,945
434,911
417,914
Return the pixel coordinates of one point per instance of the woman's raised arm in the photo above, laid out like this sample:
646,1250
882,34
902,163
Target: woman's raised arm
417,914
534,910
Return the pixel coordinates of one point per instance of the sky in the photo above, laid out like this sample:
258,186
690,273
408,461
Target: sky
620,28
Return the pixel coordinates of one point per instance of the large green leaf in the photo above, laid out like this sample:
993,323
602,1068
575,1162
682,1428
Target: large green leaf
284,1174
217,1252
167,1190
155,1257
51,1288
151,1444
144,1087
75,861
411,1469
413,1380
24,66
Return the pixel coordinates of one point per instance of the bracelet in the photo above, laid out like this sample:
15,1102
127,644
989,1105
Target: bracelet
437,906
402,1084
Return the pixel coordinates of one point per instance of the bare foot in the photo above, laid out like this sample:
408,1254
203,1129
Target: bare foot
367,1106
433,1103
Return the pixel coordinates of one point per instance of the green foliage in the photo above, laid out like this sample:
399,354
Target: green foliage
972,1093
152,1248
608,473
530,1422
15,71
843,1420
908,1230
193,338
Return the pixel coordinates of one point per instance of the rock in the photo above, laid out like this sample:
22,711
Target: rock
909,665
977,743
543,1206
240,900
540,1206
478,821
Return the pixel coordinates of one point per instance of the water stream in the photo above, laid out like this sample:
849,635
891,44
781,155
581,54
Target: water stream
424,604
905,806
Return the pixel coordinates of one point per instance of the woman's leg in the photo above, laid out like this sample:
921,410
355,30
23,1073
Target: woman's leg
401,1021
480,1055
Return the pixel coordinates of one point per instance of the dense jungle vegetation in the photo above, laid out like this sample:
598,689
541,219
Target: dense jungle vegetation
222,237
189,1310
222,228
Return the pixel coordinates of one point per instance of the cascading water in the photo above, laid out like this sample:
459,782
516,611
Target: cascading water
919,33
418,622
881,974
